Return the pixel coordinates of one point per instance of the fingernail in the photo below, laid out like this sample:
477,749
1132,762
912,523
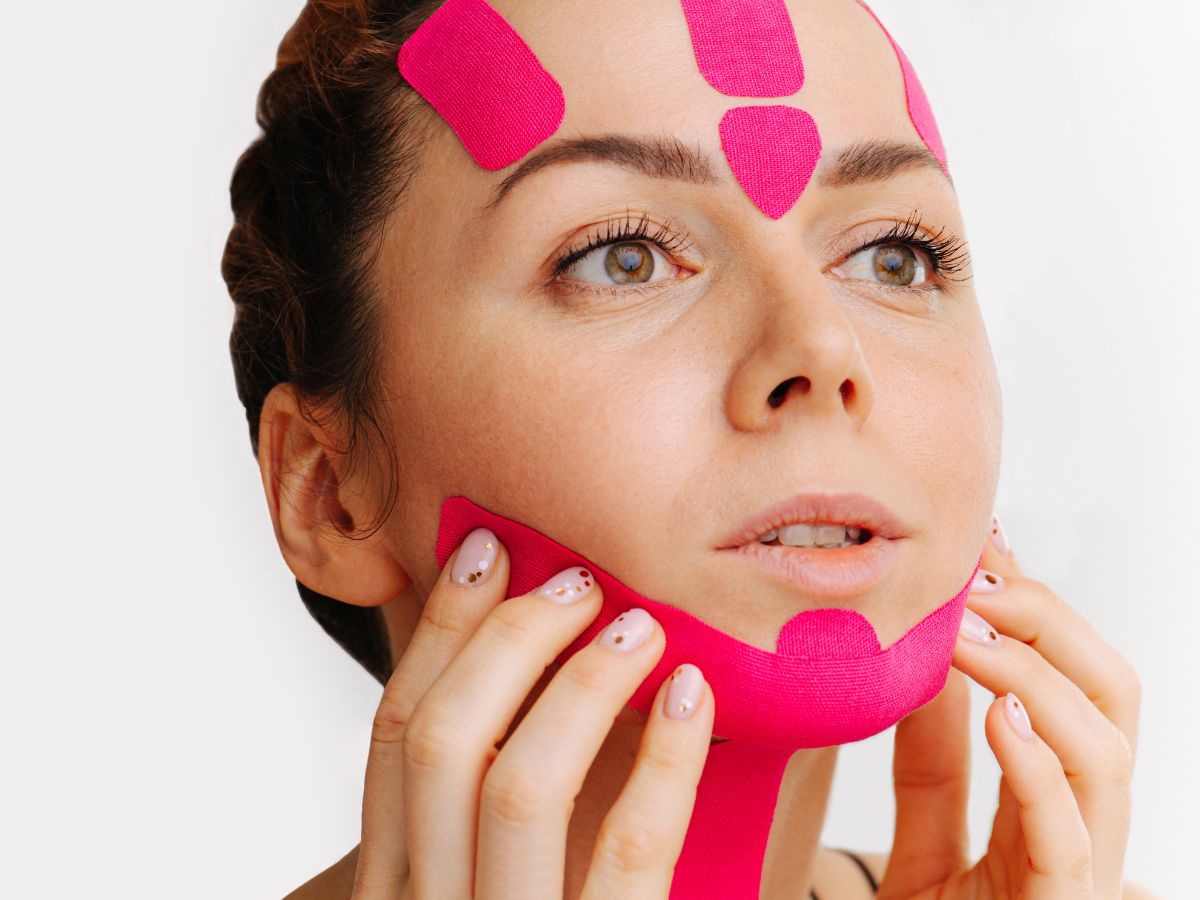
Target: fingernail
684,692
975,627
476,557
1018,718
568,586
986,582
998,535
628,631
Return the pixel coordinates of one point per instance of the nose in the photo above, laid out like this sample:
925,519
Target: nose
805,359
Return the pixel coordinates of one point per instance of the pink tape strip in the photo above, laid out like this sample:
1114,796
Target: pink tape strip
745,48
845,689
773,151
482,78
829,683
919,110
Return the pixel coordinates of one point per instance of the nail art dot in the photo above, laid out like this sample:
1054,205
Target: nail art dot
559,591
990,578
618,638
685,705
488,546
472,577
584,573
992,636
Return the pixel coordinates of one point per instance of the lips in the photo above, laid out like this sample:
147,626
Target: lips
847,508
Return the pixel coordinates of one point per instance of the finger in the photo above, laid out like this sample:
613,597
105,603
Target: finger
450,742
1032,613
642,835
931,773
452,612
527,795
1093,752
998,555
1058,855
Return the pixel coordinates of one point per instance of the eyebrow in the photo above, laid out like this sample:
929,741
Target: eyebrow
670,158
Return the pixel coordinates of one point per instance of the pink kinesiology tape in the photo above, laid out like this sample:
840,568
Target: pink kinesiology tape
919,111
748,48
745,48
828,682
482,78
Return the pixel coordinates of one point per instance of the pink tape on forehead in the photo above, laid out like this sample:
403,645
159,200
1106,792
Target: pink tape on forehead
919,111
748,48
484,81
745,48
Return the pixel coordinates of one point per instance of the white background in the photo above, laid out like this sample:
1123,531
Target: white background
176,724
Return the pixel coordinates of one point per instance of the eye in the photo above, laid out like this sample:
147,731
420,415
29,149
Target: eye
896,265
626,262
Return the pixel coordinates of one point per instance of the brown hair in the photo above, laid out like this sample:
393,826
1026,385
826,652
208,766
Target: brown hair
341,135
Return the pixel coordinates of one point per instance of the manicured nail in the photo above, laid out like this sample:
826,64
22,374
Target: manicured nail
986,582
684,692
998,535
628,630
568,586
975,627
1018,718
476,557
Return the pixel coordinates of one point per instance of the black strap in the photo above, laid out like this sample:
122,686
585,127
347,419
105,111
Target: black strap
862,865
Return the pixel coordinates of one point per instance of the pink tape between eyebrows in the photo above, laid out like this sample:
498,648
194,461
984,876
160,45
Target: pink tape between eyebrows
745,48
920,113
484,81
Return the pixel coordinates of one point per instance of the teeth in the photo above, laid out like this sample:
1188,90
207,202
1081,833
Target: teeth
814,535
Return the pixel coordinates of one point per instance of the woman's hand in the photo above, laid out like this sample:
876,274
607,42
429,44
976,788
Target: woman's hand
457,803
1064,806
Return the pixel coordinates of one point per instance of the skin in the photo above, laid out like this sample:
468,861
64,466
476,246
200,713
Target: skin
634,426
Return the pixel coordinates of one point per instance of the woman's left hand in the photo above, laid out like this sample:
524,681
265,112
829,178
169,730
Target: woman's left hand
1065,800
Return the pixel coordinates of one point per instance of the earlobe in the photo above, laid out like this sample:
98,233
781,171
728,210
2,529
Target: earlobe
312,511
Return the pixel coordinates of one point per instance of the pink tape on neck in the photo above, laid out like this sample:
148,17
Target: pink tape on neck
482,78
829,682
920,113
748,48
745,48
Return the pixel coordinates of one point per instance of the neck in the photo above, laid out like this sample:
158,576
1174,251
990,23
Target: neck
796,816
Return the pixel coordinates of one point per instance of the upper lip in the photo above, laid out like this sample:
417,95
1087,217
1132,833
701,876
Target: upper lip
836,507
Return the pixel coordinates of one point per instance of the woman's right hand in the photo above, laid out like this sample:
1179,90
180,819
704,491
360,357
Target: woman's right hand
448,815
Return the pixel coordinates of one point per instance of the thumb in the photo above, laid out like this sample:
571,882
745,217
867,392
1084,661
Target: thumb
931,774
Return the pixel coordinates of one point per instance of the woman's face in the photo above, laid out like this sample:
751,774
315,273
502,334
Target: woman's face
628,416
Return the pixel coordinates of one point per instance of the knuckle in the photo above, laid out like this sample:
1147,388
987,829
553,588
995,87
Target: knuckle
513,794
390,722
1079,866
510,621
585,675
660,761
1119,759
632,846
431,738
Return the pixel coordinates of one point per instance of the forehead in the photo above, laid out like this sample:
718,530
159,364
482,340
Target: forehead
630,66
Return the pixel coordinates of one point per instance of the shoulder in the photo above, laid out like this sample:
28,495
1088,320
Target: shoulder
335,883
877,863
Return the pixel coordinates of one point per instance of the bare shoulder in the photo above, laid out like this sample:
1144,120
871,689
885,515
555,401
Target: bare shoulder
877,863
335,883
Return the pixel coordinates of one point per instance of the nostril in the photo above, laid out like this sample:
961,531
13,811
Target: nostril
780,392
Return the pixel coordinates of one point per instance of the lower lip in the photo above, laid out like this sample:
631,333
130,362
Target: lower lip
839,573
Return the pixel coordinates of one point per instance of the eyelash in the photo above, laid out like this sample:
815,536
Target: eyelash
665,238
946,255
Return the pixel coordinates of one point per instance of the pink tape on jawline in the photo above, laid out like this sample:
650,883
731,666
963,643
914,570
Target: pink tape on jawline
748,48
920,113
829,682
484,81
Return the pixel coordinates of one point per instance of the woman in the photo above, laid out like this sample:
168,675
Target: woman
615,337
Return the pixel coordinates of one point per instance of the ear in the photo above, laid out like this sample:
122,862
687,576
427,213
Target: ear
302,475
